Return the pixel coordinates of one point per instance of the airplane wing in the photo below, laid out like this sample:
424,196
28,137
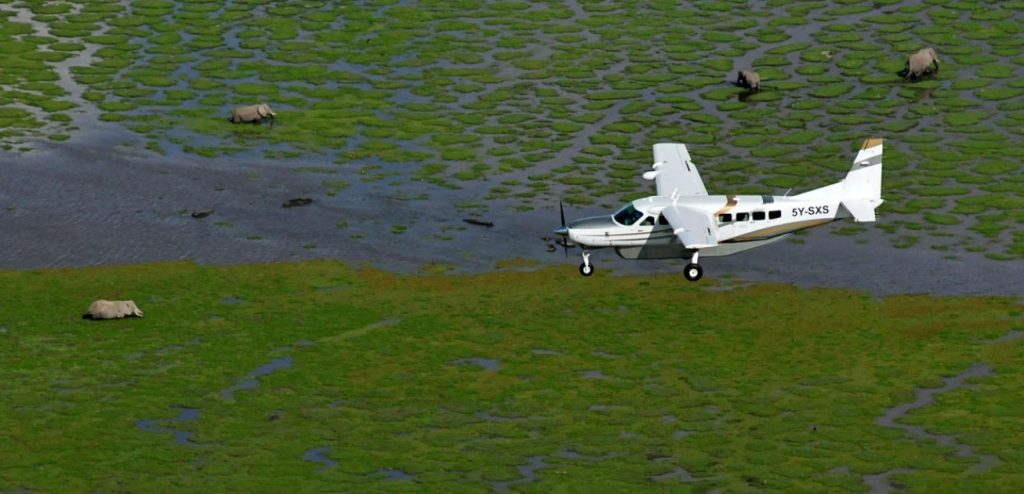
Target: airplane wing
674,174
693,226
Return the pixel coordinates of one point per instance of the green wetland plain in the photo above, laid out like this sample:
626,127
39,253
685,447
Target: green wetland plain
531,101
316,377
335,376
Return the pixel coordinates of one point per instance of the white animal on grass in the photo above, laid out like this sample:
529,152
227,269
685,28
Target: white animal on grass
112,309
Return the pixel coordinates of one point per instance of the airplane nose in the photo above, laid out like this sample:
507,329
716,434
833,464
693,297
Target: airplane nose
562,230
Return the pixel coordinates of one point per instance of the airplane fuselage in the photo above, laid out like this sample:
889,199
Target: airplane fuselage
683,220
639,231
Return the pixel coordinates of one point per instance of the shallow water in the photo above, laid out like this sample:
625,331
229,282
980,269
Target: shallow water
319,455
252,379
677,473
393,474
926,396
83,182
491,365
159,425
880,483
527,472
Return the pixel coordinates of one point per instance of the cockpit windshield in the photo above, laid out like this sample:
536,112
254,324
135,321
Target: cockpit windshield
628,215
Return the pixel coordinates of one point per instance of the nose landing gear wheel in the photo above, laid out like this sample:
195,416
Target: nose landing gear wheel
586,269
693,272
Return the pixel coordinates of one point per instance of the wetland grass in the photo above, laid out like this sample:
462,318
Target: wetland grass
770,392
497,91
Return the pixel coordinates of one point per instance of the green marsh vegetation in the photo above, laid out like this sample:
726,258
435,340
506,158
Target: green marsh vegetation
457,381
504,96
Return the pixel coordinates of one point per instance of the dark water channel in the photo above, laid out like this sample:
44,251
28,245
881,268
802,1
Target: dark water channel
251,381
160,425
319,455
880,483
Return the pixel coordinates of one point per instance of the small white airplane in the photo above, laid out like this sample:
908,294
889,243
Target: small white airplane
683,220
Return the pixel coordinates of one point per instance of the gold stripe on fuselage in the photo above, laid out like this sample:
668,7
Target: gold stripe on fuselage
781,229
729,204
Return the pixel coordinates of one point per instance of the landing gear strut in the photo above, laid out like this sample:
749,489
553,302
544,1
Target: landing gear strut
693,271
586,269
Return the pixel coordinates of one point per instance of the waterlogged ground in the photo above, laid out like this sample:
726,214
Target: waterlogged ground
516,104
316,377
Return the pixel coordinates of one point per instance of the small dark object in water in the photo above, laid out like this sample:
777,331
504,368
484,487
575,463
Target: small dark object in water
298,201
552,248
202,213
474,221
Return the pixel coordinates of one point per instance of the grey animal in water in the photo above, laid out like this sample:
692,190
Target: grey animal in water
748,79
112,309
920,64
298,201
251,113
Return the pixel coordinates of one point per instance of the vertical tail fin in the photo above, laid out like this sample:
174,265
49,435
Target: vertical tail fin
864,181
862,188
861,191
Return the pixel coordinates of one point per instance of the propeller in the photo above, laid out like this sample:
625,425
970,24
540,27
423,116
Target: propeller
562,231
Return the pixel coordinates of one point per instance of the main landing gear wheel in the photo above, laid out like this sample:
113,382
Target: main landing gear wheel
693,272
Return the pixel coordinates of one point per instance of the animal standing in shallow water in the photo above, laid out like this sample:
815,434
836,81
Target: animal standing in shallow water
112,309
920,64
748,79
251,113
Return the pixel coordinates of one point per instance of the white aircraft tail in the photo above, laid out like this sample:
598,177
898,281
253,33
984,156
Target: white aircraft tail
861,191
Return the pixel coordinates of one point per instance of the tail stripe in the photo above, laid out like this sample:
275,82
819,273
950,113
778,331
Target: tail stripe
871,142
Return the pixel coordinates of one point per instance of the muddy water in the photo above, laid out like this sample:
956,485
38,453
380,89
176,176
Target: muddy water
80,191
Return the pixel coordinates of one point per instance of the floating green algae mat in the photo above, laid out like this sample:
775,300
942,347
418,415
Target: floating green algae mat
525,85
459,382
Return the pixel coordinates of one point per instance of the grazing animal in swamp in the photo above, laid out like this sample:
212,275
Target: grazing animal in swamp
748,79
251,113
920,64
112,309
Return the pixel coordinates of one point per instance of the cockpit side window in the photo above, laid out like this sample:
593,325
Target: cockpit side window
628,215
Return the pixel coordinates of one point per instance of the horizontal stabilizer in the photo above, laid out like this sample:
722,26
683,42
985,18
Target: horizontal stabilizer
862,210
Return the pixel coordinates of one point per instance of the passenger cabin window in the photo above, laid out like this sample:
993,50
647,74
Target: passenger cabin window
724,218
742,216
648,221
774,215
758,215
662,220
628,215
